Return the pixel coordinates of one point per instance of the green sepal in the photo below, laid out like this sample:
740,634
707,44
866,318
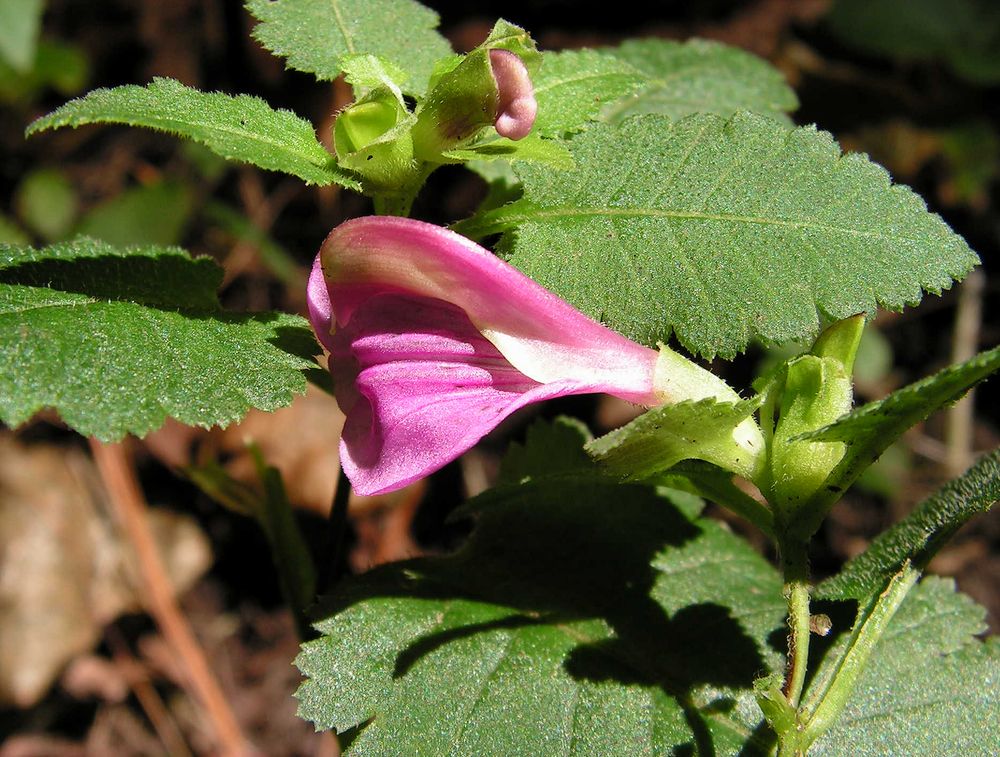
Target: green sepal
808,392
772,702
462,99
372,139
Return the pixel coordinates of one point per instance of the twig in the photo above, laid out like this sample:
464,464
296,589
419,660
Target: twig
123,489
149,699
960,421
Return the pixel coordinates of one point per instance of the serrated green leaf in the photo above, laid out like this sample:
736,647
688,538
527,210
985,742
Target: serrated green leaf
240,128
930,686
315,35
117,340
700,76
548,449
868,430
20,24
965,34
581,618
572,88
149,215
662,437
918,536
722,231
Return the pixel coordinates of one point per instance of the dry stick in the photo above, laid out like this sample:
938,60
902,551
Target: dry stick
149,699
123,488
960,420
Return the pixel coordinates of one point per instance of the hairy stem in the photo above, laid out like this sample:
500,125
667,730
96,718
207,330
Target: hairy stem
795,566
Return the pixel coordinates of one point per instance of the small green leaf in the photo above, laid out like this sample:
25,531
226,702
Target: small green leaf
532,149
150,215
581,618
20,24
870,429
700,76
722,231
573,87
965,34
920,534
47,204
929,687
117,340
662,437
241,128
315,36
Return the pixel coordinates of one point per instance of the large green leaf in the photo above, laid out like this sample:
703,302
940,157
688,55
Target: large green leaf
700,76
722,231
963,33
920,534
316,35
581,618
930,687
573,87
241,128
116,340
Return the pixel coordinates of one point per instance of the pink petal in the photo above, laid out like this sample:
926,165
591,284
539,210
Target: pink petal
516,104
420,386
542,336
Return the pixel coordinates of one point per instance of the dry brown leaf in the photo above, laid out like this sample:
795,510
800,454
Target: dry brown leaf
64,572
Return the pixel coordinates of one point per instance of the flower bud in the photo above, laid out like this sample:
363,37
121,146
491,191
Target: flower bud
516,104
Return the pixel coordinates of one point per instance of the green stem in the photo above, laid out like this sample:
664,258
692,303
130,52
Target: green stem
795,566
829,699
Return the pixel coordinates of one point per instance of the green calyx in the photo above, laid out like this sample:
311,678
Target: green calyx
805,394
372,138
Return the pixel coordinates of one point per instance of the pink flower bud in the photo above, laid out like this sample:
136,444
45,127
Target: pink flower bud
516,104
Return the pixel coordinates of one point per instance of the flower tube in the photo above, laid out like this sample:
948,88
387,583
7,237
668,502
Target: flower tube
434,340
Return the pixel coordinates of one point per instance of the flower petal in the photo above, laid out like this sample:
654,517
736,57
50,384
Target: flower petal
544,337
420,385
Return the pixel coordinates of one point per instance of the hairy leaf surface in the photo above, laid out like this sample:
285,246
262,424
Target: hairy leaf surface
581,618
315,35
241,128
700,76
723,231
573,87
117,340
930,687
920,534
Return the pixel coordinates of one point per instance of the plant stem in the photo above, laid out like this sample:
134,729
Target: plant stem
795,566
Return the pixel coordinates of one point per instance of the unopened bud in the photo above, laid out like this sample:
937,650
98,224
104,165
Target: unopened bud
516,104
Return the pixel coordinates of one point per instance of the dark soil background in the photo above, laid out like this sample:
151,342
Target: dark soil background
109,683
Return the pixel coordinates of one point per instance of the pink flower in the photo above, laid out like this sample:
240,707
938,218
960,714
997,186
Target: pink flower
433,341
